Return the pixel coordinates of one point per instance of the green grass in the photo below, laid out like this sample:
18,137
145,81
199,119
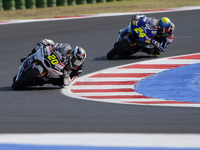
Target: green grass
118,6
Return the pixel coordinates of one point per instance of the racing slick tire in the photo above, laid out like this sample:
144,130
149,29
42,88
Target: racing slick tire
25,80
118,47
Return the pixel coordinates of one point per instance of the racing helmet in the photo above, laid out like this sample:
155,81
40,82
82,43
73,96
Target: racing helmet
77,56
164,24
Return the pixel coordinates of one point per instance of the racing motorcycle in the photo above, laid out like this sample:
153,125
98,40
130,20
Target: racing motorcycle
138,36
39,68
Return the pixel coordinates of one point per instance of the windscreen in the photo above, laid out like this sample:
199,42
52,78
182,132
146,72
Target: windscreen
152,23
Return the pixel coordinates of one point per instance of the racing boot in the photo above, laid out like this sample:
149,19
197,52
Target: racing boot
22,59
156,53
120,31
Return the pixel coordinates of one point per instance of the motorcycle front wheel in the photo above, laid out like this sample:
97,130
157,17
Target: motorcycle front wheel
118,47
25,80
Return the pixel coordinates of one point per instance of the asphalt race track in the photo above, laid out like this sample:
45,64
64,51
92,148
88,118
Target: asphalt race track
45,109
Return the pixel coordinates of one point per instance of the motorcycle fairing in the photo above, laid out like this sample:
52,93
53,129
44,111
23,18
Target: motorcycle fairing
143,31
43,57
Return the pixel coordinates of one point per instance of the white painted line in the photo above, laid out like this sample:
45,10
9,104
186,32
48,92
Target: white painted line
99,15
105,139
133,70
99,87
110,79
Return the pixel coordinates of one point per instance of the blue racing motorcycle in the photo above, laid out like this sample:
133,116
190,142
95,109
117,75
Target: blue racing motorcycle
138,36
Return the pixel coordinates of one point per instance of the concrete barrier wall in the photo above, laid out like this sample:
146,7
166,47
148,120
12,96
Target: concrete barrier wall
32,4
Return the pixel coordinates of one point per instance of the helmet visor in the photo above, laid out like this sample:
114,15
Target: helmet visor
76,62
163,30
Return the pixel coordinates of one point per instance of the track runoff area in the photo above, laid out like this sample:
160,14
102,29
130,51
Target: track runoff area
131,84
173,81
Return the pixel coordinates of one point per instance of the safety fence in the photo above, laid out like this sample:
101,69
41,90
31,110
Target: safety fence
32,4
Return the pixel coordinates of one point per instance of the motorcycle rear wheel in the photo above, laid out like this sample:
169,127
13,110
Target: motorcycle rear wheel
25,80
119,46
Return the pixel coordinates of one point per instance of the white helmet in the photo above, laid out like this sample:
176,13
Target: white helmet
77,56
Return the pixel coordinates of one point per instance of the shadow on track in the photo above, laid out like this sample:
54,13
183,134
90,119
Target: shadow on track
135,57
9,88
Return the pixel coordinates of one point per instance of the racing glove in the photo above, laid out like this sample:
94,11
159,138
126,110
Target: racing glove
46,42
158,45
138,17
161,49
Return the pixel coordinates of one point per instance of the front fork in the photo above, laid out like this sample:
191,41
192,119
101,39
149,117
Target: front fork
124,35
40,68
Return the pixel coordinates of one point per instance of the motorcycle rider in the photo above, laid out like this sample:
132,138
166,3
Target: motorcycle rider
164,36
72,58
